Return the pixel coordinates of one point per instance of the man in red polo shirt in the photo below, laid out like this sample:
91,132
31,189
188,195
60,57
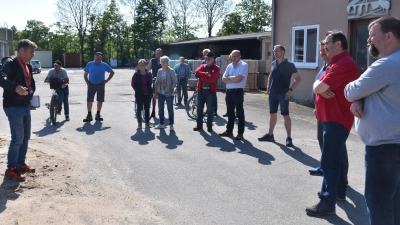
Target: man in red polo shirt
334,112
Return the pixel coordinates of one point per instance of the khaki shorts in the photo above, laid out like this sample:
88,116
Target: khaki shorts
93,89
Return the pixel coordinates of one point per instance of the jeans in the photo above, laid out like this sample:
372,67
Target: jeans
382,183
215,103
234,100
207,97
182,87
334,184
320,132
278,100
143,102
63,98
19,119
170,101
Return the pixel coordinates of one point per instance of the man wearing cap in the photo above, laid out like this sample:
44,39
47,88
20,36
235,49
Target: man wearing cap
96,84
215,100
63,93
235,78
207,75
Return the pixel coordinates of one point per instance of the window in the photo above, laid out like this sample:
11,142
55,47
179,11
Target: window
305,46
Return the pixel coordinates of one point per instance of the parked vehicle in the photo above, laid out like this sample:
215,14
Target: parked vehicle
36,67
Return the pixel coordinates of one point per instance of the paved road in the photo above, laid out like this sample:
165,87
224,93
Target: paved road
199,177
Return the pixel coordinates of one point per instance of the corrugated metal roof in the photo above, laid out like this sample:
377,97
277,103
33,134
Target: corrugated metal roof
226,38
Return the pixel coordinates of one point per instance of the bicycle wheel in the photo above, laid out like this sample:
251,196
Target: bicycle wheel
191,107
53,109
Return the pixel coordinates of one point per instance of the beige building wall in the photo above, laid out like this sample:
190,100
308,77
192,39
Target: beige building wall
328,14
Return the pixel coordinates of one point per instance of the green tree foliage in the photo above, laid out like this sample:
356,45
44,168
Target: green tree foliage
62,40
182,20
37,32
248,16
211,11
149,26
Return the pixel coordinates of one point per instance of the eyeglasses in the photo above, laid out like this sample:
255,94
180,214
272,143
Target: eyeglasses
327,42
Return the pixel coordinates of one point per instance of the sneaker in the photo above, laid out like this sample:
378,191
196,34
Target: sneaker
88,118
320,210
210,129
289,142
226,134
66,118
316,171
98,117
225,115
239,137
197,129
139,125
160,126
178,104
13,173
171,127
338,197
26,169
148,125
267,137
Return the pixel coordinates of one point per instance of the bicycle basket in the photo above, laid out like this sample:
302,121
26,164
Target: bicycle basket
55,83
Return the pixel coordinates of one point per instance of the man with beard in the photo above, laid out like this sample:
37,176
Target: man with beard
334,111
376,106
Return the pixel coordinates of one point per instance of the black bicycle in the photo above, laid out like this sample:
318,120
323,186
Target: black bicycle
191,107
55,84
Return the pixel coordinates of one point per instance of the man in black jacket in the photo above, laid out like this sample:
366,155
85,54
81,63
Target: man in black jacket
19,86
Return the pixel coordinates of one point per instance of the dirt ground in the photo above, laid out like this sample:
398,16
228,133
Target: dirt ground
60,192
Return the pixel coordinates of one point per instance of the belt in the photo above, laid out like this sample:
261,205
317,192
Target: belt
205,87
234,89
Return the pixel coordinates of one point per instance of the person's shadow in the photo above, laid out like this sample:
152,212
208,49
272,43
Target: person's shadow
49,128
8,192
356,213
299,155
171,140
90,128
143,137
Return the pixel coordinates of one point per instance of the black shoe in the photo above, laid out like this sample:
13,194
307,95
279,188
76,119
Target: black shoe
215,114
178,104
66,118
316,171
59,112
197,129
338,197
267,137
88,118
225,115
239,137
98,117
210,129
289,142
320,210
226,134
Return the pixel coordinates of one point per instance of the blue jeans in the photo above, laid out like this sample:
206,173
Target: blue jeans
278,100
215,103
382,183
19,119
170,101
63,98
334,183
234,100
207,97
182,87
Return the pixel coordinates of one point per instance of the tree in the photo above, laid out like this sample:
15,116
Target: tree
37,32
62,40
232,24
248,16
183,15
212,11
76,13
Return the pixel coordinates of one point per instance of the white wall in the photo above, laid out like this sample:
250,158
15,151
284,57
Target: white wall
45,58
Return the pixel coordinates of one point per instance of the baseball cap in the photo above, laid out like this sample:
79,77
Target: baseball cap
211,54
57,62
99,54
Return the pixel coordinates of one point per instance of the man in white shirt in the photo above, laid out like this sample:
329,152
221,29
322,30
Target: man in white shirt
235,78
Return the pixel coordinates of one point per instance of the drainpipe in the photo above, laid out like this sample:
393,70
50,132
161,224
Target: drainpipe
273,25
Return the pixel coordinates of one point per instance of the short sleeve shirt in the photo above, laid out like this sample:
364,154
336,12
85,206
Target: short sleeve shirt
61,74
97,71
241,69
281,75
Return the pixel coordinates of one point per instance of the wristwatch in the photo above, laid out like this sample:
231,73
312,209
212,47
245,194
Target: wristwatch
290,89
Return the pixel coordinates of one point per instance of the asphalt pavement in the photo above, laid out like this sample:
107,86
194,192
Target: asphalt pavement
199,177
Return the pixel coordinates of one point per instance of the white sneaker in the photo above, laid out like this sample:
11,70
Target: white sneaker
171,127
160,126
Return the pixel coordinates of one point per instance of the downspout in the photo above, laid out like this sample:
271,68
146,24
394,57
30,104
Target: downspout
273,25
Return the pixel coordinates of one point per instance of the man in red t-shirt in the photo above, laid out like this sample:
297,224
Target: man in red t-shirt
334,112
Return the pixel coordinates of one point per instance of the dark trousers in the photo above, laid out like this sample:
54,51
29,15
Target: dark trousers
182,87
143,102
63,94
207,97
215,103
320,133
334,184
234,100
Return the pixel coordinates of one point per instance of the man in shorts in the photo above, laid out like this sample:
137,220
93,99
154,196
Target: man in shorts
96,84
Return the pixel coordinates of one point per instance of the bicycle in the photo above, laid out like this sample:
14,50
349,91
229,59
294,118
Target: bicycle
55,84
191,107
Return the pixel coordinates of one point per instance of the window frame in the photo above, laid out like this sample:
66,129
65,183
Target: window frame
304,64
